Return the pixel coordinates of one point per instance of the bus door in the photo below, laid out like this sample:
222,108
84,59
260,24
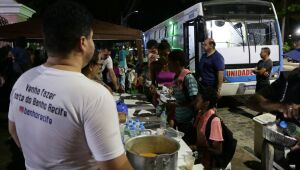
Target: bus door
193,34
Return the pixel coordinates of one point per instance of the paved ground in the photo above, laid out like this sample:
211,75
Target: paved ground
238,118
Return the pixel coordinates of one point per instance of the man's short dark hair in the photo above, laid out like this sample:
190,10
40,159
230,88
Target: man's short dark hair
177,56
152,43
164,45
63,25
209,94
267,49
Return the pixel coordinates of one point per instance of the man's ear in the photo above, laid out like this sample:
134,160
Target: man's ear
83,43
91,67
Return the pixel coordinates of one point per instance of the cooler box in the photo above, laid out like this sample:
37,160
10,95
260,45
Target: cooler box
259,122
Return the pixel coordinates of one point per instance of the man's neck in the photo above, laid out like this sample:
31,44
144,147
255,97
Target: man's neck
211,52
68,63
266,58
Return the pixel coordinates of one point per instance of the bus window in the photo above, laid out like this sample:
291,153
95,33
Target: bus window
152,35
157,35
262,32
166,31
162,34
227,33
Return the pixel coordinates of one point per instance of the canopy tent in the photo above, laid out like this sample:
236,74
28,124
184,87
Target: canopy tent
294,54
32,30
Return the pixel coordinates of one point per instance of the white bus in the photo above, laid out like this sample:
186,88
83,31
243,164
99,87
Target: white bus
240,29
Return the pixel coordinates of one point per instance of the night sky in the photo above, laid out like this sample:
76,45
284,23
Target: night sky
151,12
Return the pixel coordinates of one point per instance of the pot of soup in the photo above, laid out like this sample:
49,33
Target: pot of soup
153,152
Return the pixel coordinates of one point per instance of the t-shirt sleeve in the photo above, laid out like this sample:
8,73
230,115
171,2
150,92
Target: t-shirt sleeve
219,62
102,130
109,63
269,65
191,84
216,130
12,110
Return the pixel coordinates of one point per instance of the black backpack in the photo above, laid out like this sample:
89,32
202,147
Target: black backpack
229,144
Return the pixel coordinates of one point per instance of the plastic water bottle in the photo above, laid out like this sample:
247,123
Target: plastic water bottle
129,121
138,129
163,120
142,130
132,131
126,134
137,122
290,128
293,129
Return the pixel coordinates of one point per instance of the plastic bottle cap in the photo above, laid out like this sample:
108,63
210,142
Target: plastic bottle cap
283,124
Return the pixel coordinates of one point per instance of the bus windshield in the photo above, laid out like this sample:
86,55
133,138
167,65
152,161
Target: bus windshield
233,33
227,33
262,32
245,37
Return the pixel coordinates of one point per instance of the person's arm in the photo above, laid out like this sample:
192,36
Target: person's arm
113,77
191,88
220,81
261,104
13,132
219,66
118,163
260,72
153,72
111,73
265,70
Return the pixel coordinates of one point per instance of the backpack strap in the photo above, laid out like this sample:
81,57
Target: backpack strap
208,129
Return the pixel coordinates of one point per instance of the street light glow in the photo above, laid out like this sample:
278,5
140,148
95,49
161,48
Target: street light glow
298,31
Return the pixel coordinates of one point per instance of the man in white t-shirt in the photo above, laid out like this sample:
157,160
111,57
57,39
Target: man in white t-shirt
107,63
59,118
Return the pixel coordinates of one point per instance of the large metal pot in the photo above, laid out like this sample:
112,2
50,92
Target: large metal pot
166,150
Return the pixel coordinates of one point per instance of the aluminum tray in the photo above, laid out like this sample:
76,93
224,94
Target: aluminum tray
274,135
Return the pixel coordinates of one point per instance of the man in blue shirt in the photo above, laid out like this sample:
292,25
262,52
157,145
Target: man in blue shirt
123,65
211,66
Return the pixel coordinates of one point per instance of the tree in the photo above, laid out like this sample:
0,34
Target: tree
286,9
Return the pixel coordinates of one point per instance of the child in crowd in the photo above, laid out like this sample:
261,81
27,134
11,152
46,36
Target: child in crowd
206,107
185,91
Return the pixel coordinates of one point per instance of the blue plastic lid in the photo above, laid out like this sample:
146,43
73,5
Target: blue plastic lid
283,124
132,127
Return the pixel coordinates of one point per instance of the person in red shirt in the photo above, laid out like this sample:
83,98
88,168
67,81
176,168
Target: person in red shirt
206,106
